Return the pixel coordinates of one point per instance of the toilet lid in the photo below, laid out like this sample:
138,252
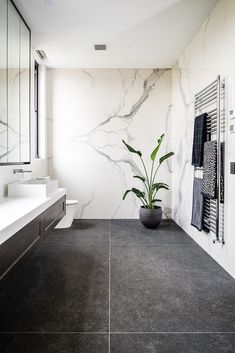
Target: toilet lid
71,202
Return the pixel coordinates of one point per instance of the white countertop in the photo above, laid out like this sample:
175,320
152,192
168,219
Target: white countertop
16,212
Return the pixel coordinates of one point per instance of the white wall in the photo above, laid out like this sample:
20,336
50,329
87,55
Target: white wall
89,113
38,166
210,53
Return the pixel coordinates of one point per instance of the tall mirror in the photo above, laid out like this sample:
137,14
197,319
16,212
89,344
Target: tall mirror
24,92
14,86
3,81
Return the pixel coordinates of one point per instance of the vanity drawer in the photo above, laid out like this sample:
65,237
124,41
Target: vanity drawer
16,246
52,216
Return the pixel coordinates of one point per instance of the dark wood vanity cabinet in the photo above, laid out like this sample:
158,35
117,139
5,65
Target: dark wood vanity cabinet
27,238
15,247
52,216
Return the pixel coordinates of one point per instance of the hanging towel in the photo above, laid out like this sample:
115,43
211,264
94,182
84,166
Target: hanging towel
222,173
198,204
209,170
198,139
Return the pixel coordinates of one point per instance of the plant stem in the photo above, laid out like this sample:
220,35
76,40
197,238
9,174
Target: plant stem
151,185
148,183
154,176
143,202
156,172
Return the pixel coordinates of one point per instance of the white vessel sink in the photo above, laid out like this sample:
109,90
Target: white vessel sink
33,188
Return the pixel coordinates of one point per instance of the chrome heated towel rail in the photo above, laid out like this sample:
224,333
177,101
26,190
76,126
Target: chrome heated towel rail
211,100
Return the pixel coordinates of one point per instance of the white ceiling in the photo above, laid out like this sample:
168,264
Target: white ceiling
138,33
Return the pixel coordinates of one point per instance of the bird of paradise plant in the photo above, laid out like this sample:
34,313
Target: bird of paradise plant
148,196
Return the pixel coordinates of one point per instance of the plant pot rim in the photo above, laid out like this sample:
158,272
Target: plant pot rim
151,209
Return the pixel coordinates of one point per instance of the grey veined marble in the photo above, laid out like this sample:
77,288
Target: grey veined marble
103,108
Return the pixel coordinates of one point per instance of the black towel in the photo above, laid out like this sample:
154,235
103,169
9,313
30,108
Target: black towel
206,218
198,204
198,139
222,173
209,170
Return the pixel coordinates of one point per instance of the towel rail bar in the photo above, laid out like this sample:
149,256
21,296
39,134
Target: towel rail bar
212,115
206,88
206,106
209,92
207,96
206,102
211,111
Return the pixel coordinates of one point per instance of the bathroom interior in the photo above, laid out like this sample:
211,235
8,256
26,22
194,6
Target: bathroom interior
117,176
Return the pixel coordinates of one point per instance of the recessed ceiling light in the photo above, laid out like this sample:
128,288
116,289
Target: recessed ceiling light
100,46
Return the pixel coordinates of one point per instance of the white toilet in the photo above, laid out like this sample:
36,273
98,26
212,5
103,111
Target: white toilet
67,220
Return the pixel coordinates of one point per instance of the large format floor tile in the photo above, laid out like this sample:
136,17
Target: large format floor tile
171,288
173,343
85,231
125,231
165,294
53,343
59,288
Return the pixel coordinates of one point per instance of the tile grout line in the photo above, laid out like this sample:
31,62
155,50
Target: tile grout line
172,332
109,329
149,244
117,332
53,332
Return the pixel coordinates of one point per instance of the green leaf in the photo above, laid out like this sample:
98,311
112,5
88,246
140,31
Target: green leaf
137,192
158,186
168,155
156,200
131,149
139,177
126,193
156,149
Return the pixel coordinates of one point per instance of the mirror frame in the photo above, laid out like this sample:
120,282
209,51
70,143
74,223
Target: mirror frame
30,79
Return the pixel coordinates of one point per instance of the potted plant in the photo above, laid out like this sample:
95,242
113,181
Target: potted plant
150,213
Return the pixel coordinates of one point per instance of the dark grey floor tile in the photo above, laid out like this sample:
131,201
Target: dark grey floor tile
60,288
131,231
169,288
173,343
84,231
53,343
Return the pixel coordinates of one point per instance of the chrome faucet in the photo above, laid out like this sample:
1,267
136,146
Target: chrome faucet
21,171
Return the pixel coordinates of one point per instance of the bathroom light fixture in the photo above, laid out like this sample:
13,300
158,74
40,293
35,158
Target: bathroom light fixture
100,46
41,53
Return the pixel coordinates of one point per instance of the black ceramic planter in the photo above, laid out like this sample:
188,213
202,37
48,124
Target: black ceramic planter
151,218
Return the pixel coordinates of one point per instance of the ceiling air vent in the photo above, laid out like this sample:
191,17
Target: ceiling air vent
100,47
41,54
